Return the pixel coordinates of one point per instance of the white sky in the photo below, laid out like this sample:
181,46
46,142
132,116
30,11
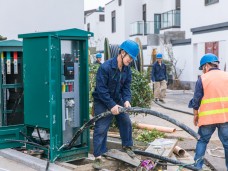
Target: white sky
93,4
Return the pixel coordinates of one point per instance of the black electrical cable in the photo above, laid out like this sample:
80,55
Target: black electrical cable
25,142
38,132
48,160
165,117
143,153
17,102
189,113
47,166
35,144
26,136
135,110
86,125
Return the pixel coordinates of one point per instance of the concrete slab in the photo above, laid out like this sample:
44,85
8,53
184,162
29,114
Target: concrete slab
27,160
9,165
122,156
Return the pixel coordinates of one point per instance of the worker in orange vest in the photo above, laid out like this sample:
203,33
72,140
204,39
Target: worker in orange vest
210,106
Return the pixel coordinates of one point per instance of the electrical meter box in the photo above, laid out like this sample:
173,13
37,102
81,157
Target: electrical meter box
11,79
55,93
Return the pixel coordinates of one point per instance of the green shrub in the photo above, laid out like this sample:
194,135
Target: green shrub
92,79
140,89
149,136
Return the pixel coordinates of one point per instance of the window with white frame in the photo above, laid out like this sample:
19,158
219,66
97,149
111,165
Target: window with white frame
120,2
113,21
101,17
209,2
178,4
88,26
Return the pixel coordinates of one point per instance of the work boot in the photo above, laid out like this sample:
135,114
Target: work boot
129,151
97,164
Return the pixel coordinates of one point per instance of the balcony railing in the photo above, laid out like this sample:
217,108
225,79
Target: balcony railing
142,28
170,19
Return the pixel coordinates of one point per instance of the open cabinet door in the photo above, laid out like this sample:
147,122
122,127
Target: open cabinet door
10,133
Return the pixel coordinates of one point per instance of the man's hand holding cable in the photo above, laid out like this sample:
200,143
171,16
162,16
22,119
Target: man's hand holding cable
127,104
115,110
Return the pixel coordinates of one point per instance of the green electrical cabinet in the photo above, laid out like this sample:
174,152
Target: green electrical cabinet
56,94
11,92
11,88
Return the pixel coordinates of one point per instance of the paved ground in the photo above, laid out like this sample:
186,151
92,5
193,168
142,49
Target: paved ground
10,165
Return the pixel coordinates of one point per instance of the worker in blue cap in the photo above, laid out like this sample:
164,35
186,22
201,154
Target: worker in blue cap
159,78
98,58
210,107
113,91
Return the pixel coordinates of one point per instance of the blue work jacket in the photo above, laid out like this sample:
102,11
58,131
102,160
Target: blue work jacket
158,72
198,93
112,85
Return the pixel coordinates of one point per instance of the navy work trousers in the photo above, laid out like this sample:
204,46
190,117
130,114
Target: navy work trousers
205,133
102,126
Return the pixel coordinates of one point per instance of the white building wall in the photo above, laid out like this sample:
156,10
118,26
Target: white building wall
28,16
202,15
118,36
98,28
184,62
133,12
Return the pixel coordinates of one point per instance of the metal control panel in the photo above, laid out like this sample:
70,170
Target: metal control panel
70,53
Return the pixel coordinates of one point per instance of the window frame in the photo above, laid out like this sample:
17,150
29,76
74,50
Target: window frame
113,21
210,2
178,4
100,17
88,27
119,2
144,11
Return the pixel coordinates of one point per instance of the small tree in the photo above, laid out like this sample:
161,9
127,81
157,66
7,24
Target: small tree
176,72
2,38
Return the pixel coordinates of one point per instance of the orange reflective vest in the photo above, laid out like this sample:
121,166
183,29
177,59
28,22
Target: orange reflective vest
214,104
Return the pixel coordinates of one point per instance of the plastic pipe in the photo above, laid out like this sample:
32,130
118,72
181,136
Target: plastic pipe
179,151
151,127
